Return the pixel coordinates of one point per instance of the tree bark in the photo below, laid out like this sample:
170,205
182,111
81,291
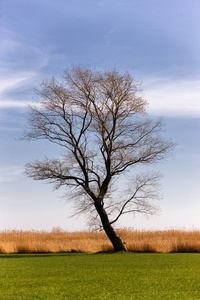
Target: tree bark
116,241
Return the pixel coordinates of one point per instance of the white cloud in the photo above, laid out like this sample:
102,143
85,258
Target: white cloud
20,52
9,84
12,82
21,62
181,98
12,104
10,173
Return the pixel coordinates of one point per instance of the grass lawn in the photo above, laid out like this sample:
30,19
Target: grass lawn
100,276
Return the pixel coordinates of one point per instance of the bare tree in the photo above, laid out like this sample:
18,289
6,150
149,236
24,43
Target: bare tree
100,121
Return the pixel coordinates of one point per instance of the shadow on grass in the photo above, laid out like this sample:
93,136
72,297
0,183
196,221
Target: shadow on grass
27,255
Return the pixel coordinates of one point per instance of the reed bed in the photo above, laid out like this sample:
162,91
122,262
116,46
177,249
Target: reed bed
14,241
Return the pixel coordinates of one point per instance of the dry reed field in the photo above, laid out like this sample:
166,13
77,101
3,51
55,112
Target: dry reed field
13,241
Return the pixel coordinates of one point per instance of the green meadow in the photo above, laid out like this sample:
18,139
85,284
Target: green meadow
100,276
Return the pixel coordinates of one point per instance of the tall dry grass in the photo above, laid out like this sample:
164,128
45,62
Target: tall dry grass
13,241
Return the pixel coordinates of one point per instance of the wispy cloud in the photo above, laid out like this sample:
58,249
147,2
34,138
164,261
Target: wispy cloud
21,53
12,104
15,81
21,63
11,83
181,97
10,173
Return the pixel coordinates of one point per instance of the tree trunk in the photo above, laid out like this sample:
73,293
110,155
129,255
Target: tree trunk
116,241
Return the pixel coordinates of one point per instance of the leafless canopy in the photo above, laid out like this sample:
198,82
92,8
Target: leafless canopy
100,121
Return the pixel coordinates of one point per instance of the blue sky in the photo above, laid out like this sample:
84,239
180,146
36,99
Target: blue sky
158,42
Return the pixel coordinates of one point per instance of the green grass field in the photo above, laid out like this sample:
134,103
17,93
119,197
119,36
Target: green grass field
100,276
